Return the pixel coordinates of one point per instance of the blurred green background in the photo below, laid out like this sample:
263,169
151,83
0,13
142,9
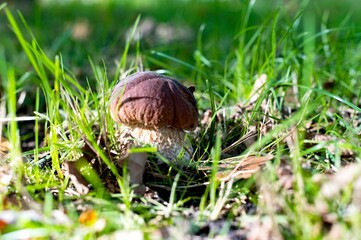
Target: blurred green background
178,36
98,29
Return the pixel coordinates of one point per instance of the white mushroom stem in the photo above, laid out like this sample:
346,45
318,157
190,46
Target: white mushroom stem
170,142
173,144
136,165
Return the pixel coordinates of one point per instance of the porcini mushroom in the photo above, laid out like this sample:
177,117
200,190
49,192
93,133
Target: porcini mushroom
157,110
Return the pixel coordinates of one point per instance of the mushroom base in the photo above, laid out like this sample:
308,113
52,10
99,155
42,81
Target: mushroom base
171,143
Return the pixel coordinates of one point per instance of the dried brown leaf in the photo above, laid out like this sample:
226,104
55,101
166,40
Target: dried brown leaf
206,117
258,87
336,183
292,139
241,168
88,217
348,177
262,229
3,224
4,146
72,171
248,166
6,177
324,138
292,93
285,177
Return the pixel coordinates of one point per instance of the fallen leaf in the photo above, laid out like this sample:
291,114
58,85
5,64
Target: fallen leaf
4,146
332,144
206,117
350,174
247,167
291,97
70,170
5,175
332,187
3,224
241,168
292,139
88,217
262,229
285,177
258,87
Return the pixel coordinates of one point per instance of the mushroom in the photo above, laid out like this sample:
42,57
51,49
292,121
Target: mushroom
156,110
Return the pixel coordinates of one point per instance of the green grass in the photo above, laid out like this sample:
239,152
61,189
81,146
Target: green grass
308,52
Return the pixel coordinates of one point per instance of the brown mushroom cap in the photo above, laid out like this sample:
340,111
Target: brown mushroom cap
154,101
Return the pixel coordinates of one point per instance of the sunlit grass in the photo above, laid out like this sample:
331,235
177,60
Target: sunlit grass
299,65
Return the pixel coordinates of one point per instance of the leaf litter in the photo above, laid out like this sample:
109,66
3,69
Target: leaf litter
194,178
